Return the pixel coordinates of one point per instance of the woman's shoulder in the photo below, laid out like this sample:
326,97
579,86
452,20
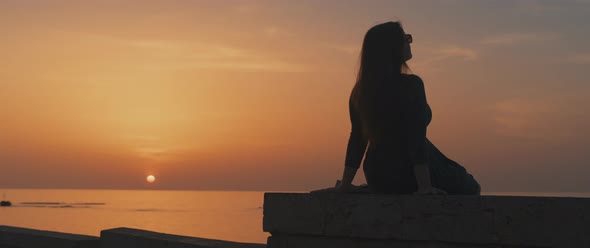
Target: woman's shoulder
412,78
414,82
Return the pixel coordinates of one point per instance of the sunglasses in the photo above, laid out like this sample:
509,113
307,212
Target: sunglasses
409,38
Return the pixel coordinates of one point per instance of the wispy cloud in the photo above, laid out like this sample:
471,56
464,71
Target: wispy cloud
245,7
519,38
457,52
515,117
581,59
191,54
545,7
446,53
274,66
538,7
185,49
348,49
278,31
531,118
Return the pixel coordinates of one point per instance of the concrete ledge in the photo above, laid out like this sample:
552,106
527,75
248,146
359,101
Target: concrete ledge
15,237
476,220
293,241
129,238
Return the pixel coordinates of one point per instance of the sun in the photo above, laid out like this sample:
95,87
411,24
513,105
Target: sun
150,179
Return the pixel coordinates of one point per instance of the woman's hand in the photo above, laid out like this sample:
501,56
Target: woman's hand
422,172
430,191
339,188
342,187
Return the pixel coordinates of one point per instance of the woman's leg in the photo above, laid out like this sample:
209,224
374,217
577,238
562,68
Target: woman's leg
449,175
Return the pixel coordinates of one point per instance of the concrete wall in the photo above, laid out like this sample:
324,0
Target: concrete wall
366,220
126,238
14,237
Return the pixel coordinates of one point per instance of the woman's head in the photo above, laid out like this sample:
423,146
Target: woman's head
385,46
385,50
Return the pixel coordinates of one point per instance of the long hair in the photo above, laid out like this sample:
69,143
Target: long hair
381,63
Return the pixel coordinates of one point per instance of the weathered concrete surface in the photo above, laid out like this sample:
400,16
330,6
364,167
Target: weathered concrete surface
293,241
483,220
15,237
130,238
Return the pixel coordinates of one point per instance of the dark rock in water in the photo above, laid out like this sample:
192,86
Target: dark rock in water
5,204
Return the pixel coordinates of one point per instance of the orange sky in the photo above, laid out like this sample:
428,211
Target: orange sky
253,95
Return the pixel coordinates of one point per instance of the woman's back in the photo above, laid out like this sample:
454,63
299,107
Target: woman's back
401,117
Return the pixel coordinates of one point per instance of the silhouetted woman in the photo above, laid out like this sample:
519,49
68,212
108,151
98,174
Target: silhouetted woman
389,114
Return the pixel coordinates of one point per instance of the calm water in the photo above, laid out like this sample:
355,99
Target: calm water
223,215
233,216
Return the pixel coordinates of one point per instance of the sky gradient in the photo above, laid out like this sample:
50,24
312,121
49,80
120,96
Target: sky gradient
253,95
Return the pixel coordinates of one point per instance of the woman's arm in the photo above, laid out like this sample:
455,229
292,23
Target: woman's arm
417,122
348,175
422,176
357,144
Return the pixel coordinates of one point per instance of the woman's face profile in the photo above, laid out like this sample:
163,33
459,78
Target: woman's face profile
406,50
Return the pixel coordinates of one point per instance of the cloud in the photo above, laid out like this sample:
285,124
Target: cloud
190,54
457,52
518,38
446,53
348,49
538,7
277,31
550,7
183,49
245,7
533,118
580,59
272,66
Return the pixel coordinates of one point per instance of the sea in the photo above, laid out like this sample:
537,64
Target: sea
224,215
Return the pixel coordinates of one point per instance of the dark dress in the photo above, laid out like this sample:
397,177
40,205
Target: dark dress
402,120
